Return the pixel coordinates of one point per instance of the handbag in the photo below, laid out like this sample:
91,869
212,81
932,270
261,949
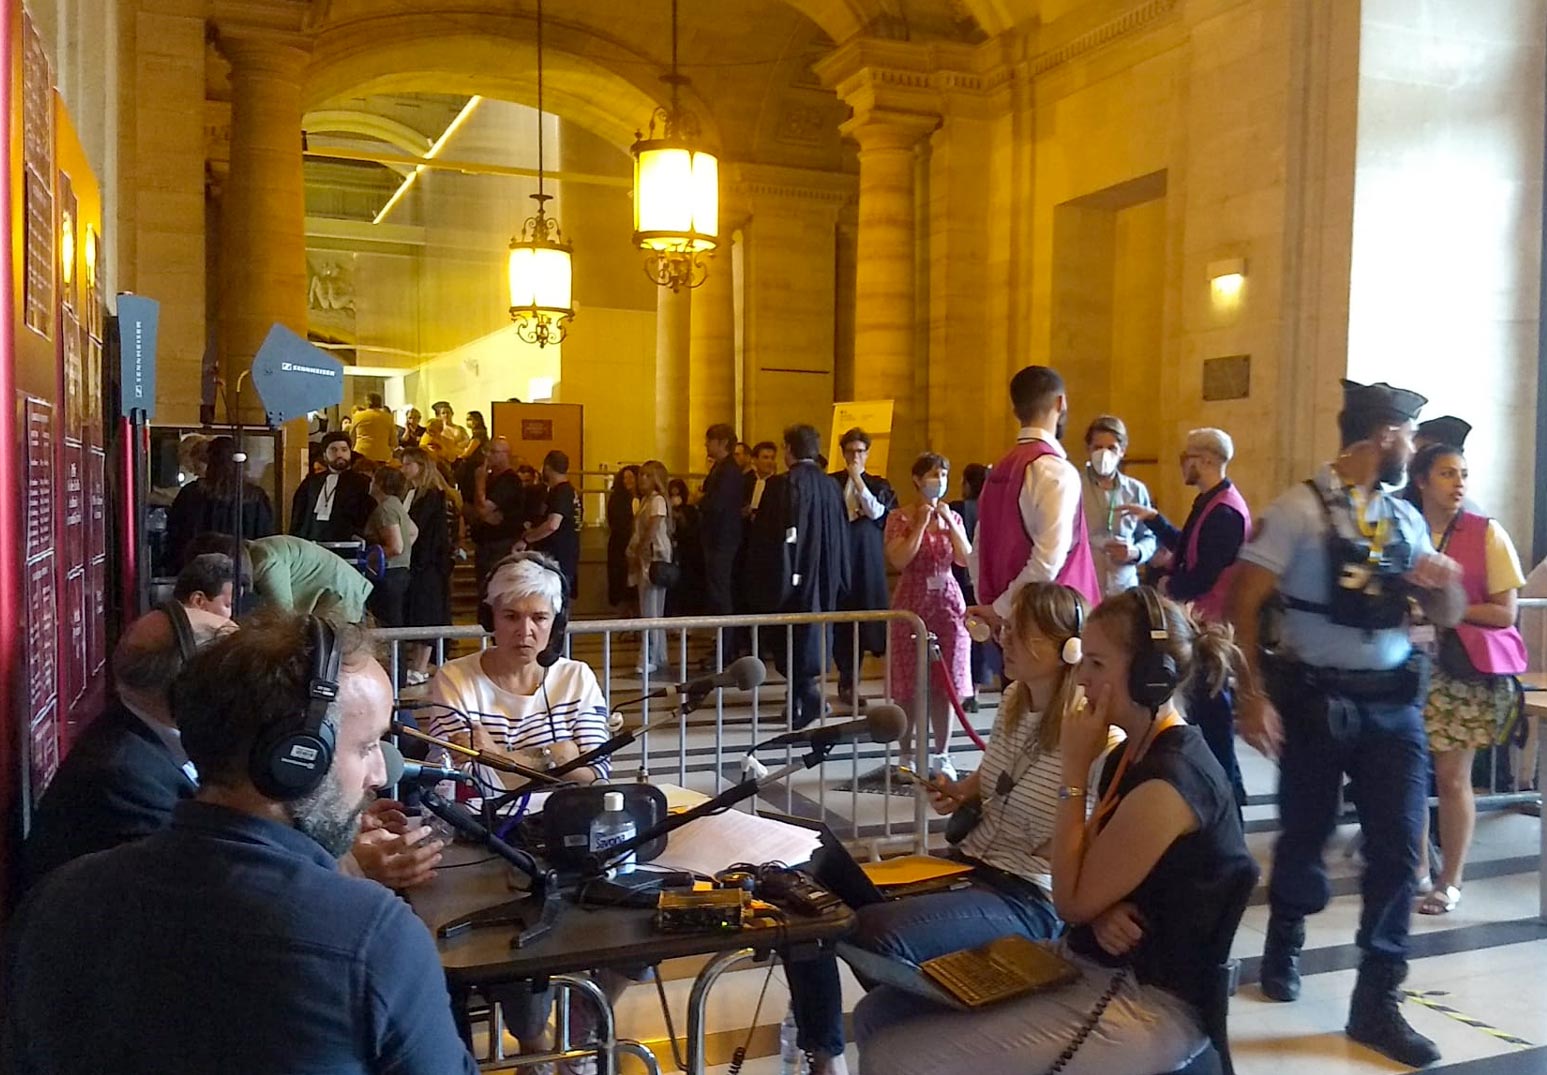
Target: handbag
1454,660
664,574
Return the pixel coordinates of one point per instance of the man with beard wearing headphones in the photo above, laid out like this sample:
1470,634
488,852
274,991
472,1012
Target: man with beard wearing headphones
231,940
1343,693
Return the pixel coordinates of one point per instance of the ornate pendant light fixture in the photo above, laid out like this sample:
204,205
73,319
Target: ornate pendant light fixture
676,191
541,272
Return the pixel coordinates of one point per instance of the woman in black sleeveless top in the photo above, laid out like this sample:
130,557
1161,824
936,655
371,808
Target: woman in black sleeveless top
1146,882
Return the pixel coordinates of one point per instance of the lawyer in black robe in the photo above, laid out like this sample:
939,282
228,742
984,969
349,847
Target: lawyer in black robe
345,494
798,556
866,537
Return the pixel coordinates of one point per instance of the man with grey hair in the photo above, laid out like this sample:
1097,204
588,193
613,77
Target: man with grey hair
1204,553
297,967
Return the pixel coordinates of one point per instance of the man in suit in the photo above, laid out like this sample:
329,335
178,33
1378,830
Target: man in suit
799,554
127,771
867,499
333,505
720,521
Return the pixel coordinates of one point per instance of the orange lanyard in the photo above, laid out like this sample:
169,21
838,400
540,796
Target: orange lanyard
1110,800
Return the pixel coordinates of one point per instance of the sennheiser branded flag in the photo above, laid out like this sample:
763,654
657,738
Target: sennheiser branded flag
138,318
294,378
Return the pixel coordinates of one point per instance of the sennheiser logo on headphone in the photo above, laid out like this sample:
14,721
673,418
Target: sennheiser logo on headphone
300,754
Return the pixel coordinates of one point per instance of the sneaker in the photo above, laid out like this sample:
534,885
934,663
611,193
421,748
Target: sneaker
941,764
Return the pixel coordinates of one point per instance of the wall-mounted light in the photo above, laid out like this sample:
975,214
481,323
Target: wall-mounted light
1227,281
91,258
67,248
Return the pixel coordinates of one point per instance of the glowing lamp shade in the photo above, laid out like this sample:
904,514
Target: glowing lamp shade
540,278
676,196
1227,281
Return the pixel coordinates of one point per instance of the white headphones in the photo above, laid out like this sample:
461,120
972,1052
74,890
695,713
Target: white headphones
1074,649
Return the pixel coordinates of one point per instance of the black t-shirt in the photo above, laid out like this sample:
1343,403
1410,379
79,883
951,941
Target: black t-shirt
504,490
564,543
1187,894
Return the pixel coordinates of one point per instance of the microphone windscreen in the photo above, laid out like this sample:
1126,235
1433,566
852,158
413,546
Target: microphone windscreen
886,722
745,673
394,759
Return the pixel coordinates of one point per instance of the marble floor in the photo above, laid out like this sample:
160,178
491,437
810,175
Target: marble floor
1481,971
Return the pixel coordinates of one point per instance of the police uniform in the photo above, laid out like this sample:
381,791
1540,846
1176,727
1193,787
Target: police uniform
1349,688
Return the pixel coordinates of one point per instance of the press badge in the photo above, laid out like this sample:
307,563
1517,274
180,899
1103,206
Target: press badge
935,584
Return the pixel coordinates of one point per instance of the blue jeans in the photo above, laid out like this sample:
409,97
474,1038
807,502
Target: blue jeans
916,929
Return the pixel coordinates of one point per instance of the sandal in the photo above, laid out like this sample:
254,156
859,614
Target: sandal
1440,901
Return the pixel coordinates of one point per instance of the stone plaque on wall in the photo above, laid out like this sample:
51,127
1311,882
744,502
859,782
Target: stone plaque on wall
1228,377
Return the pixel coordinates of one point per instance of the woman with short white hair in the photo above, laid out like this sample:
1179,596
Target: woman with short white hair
519,698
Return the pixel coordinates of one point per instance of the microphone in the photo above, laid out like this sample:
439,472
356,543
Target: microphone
882,723
743,674
400,769
482,757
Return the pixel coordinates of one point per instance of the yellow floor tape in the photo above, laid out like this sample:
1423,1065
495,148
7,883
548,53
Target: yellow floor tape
1426,999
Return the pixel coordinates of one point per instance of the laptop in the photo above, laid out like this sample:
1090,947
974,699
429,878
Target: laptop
842,874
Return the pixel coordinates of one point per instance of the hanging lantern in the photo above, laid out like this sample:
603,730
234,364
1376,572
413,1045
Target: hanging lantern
540,268
676,191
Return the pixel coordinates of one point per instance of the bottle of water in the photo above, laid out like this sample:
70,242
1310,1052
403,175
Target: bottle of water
611,827
791,1061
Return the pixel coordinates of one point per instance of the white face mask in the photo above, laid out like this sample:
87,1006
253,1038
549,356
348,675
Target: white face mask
1104,462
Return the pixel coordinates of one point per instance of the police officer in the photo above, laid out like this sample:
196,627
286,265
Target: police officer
1343,693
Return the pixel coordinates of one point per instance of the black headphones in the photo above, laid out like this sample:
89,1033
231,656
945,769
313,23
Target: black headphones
1152,674
555,648
290,757
182,629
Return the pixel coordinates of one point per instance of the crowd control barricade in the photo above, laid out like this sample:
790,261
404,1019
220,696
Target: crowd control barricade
705,750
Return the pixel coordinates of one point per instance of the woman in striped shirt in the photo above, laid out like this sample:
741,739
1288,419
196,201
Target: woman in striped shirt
520,699
1016,792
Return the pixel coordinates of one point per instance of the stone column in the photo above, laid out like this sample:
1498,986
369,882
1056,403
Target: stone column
712,346
263,218
672,333
885,329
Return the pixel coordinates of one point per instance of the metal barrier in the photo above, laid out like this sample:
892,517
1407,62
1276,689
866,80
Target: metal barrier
735,731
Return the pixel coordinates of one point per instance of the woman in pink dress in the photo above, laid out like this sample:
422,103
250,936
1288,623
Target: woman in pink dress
923,541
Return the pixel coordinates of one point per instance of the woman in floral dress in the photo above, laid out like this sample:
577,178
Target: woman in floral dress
923,540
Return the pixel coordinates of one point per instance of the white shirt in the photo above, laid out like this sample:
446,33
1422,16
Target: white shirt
1049,501
324,506
522,721
757,492
860,500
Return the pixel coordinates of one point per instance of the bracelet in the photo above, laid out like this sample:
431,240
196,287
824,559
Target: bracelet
1070,791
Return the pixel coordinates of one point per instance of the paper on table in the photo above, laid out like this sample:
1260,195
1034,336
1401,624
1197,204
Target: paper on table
713,843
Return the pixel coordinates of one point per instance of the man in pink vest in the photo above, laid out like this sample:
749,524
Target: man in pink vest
1205,551
1030,526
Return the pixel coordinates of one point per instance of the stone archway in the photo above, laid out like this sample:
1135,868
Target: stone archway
417,53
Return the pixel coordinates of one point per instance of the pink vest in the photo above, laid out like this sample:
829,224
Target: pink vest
1497,651
1211,606
1003,544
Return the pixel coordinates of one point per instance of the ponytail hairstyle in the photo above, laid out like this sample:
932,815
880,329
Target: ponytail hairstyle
1054,613
1204,652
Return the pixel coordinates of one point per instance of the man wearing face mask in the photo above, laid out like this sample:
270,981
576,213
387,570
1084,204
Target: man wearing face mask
1119,542
1030,526
333,505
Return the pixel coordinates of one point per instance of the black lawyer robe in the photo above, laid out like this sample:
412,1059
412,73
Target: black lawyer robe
808,574
352,506
867,560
